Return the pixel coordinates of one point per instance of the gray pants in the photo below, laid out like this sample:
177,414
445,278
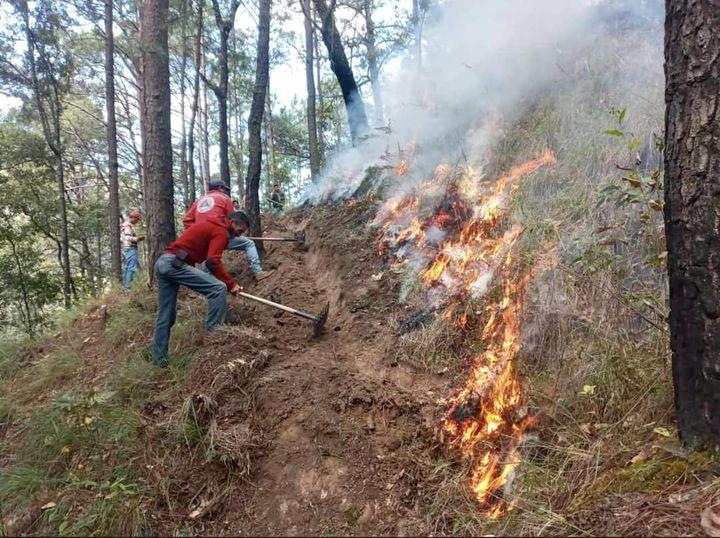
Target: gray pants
247,245
169,280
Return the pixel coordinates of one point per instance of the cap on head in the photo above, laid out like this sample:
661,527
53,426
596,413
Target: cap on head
217,185
135,214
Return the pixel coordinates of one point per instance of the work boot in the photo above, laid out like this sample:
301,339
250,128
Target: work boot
262,275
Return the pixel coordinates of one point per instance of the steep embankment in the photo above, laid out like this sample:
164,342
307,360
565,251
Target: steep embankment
259,429
255,428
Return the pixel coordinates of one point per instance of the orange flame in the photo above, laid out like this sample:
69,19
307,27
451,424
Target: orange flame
485,421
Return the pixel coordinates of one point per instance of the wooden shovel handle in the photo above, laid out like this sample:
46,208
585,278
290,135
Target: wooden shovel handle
278,306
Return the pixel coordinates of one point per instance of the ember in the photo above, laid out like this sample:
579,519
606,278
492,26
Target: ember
485,422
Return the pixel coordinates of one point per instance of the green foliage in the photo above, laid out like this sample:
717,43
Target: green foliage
75,421
11,356
19,482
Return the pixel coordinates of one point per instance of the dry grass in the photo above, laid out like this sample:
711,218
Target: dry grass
432,347
72,417
595,362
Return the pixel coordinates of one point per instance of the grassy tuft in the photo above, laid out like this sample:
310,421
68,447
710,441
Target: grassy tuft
52,371
20,483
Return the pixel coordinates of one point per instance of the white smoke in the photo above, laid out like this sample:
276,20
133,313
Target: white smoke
482,60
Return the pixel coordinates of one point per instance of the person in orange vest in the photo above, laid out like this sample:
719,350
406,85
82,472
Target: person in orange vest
203,242
217,204
130,239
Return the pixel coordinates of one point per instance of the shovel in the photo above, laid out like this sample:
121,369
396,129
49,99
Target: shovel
318,320
298,238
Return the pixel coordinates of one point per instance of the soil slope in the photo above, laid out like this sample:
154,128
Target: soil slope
271,431
332,412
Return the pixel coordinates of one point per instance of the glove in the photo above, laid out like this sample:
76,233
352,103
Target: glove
235,289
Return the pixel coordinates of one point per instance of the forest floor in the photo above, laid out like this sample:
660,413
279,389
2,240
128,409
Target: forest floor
333,414
257,428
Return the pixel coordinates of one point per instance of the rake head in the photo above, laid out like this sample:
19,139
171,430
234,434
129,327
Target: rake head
320,321
299,238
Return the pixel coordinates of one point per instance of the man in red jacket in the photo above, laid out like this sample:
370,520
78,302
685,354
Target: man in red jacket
203,242
217,204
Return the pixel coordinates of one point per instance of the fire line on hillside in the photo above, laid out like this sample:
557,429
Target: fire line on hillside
458,251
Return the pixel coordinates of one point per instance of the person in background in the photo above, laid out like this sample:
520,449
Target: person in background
236,205
130,239
277,200
203,242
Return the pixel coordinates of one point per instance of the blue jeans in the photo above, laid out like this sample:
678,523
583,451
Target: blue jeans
248,245
169,280
131,255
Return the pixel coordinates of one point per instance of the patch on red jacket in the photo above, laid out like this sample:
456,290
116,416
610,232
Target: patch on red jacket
205,204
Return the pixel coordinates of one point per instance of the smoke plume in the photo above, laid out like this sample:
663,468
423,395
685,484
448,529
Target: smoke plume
486,61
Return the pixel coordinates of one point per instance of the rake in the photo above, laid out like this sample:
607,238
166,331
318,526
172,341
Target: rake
319,320
298,238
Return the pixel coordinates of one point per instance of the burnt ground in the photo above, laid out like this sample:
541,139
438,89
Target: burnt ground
324,425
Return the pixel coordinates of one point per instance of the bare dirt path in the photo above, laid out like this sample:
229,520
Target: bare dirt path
336,413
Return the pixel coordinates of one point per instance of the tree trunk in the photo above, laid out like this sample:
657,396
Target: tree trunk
220,89
262,72
88,267
239,149
194,110
373,65
320,112
417,32
223,127
270,141
27,316
157,143
357,119
114,189
238,138
183,133
310,81
64,240
204,131
692,221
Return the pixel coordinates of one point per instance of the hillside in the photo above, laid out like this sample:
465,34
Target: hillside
511,213
258,429
256,426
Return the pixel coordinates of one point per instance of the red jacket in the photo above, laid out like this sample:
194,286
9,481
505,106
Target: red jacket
215,205
205,241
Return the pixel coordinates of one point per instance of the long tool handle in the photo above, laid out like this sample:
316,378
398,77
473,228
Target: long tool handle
277,305
272,238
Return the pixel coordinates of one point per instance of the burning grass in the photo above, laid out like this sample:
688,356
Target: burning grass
458,250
